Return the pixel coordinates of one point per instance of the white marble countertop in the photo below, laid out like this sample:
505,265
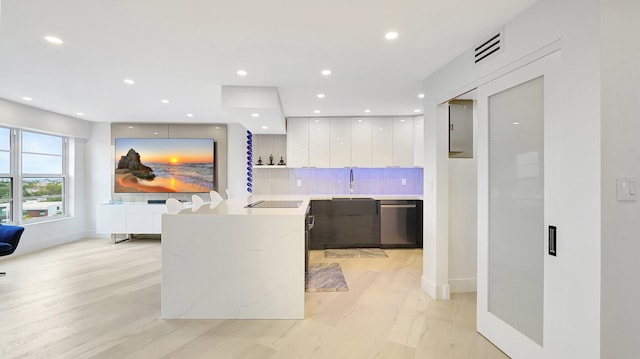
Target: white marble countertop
237,206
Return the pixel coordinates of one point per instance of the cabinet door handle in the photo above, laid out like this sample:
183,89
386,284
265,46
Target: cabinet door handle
398,206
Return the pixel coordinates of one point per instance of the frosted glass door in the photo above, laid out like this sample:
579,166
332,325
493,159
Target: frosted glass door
516,207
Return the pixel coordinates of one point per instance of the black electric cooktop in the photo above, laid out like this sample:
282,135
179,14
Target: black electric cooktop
274,204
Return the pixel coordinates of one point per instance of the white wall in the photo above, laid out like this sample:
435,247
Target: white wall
58,231
620,157
99,174
31,118
572,280
463,195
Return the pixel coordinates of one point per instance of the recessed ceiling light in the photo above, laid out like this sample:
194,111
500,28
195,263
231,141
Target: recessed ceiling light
360,120
320,95
164,100
128,81
367,111
255,115
326,72
391,35
421,95
130,126
217,127
155,133
27,98
189,115
516,123
417,110
80,113
54,40
265,127
241,73
316,111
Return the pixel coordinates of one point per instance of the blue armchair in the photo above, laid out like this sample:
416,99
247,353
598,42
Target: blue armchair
9,238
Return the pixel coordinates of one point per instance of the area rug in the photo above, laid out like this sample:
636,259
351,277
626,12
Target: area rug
325,277
355,253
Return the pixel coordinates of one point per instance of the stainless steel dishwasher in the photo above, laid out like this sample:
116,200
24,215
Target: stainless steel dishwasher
398,223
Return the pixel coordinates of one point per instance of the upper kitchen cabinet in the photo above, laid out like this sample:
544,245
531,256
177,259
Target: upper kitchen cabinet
418,141
382,141
340,142
402,142
298,142
355,142
320,142
361,147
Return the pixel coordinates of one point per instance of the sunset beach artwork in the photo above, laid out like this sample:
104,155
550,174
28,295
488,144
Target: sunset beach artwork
163,165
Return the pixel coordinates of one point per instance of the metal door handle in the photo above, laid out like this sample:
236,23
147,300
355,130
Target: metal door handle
398,205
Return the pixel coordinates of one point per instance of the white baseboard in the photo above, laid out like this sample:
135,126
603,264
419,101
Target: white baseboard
94,234
435,292
463,285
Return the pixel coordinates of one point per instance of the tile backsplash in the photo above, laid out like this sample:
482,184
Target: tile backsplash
335,181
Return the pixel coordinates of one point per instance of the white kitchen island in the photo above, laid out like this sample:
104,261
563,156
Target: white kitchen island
231,262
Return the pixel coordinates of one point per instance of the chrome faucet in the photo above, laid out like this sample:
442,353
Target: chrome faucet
351,182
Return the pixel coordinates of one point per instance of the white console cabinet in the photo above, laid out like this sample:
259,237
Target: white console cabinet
129,218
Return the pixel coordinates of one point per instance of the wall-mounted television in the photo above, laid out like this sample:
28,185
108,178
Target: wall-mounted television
164,165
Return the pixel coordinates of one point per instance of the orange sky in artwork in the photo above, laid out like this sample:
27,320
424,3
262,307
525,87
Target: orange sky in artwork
175,159
174,151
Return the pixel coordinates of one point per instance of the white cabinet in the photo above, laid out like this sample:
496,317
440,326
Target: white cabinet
145,218
111,218
355,142
418,141
340,142
319,142
381,141
298,142
402,142
130,218
361,142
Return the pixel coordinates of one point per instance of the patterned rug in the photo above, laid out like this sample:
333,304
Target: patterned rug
355,253
325,277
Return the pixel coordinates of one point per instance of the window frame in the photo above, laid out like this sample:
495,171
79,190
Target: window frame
17,178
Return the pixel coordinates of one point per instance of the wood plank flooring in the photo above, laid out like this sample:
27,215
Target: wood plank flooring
96,299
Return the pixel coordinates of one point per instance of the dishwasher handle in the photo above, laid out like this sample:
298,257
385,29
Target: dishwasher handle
398,206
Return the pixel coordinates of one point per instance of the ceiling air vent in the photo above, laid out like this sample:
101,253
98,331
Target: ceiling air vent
489,48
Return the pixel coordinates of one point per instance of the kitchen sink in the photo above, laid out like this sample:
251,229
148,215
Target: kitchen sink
355,198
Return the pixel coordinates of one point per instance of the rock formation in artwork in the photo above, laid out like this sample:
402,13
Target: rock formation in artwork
131,163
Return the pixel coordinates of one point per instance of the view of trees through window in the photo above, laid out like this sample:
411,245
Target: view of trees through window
41,197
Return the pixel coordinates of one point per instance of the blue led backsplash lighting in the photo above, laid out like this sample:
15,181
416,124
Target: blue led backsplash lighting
335,181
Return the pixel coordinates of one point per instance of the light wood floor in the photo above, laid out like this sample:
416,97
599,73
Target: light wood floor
95,299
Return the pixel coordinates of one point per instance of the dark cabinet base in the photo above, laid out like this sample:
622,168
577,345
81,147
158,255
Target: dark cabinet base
356,223
348,223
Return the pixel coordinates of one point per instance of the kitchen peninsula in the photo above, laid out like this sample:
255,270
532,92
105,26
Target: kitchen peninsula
232,262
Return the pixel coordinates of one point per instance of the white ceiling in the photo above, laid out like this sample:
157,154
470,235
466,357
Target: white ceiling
185,51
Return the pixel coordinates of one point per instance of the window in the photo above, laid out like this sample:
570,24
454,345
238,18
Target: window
33,176
6,176
43,175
